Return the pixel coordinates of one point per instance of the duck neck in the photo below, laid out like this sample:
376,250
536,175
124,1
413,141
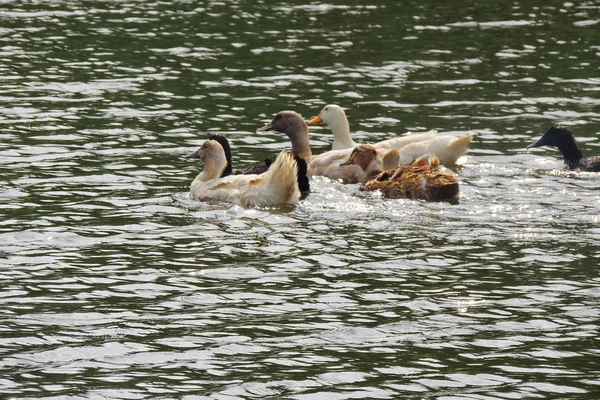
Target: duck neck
341,134
571,152
212,170
300,141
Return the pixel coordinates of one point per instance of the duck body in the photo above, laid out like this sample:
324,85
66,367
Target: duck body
259,167
416,180
277,186
564,139
447,148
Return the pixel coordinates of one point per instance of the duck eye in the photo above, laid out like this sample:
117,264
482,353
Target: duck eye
326,109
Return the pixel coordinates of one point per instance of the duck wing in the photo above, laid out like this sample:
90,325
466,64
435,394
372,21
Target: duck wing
257,168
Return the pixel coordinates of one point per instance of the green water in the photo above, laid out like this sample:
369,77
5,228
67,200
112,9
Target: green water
116,285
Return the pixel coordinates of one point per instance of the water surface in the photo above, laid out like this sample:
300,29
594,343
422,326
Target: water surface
116,285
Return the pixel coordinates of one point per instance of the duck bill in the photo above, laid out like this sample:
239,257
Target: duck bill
267,127
195,155
541,142
316,120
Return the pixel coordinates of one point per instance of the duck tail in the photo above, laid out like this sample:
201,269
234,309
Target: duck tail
282,178
460,146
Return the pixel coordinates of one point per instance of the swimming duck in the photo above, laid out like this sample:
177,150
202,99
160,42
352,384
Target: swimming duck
259,167
417,180
277,186
326,164
335,118
563,138
447,148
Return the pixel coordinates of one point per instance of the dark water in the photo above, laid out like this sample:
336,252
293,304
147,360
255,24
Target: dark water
116,286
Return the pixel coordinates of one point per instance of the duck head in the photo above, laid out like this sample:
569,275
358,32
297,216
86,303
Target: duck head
211,153
370,160
292,124
563,138
330,115
554,136
334,116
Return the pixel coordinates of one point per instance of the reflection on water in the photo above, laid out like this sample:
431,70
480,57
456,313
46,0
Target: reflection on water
116,285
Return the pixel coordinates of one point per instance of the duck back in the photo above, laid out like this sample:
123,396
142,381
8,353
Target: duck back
257,168
447,148
401,141
416,181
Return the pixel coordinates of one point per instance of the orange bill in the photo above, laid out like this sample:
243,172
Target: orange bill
316,120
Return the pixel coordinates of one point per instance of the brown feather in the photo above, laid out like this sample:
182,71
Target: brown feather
415,181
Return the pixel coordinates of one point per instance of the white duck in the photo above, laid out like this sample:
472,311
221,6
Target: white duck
326,164
277,186
334,116
447,148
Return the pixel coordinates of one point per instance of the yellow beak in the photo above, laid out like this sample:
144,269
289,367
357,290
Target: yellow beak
316,120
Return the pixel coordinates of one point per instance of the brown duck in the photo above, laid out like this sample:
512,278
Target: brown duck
416,180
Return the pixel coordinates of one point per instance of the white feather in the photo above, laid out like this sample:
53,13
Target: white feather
278,185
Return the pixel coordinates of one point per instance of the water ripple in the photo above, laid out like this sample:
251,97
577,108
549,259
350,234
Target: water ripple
117,285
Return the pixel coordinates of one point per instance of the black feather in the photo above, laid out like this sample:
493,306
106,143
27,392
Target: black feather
564,139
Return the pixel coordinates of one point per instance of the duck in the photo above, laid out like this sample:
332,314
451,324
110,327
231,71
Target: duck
259,167
326,164
447,148
563,138
335,118
277,186
418,180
